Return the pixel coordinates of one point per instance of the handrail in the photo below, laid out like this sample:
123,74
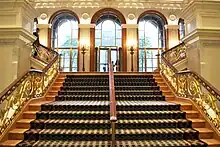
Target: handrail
189,84
113,116
32,84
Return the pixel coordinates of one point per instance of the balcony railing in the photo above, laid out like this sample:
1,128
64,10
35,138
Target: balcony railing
33,84
189,84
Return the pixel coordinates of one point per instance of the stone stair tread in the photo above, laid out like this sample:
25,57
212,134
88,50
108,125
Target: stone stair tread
25,120
196,120
191,111
18,131
39,103
212,142
75,112
204,130
159,103
10,143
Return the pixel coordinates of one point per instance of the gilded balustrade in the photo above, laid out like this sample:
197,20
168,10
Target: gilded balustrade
31,85
189,84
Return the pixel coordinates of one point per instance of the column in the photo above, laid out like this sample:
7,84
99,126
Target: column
16,27
131,40
84,41
172,32
203,38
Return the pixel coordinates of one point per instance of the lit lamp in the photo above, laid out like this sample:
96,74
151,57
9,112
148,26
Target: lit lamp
83,51
131,46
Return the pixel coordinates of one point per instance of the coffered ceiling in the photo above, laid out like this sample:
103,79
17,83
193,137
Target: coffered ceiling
158,4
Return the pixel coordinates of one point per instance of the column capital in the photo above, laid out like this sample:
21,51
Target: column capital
87,25
130,26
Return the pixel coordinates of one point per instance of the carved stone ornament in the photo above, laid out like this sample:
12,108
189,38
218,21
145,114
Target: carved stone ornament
131,16
172,17
43,16
85,16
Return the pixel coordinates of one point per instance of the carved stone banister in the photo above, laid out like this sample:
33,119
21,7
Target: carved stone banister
189,84
32,84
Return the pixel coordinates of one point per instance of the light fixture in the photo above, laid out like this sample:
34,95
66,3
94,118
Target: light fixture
84,48
131,46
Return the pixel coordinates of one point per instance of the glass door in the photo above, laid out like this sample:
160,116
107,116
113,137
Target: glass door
103,58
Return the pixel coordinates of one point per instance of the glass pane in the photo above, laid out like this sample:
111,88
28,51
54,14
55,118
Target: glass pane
141,34
149,54
118,42
104,56
108,33
118,34
103,67
149,63
97,42
141,25
97,33
149,69
74,43
74,33
151,34
141,60
141,43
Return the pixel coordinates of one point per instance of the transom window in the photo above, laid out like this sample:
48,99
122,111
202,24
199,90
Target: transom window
108,32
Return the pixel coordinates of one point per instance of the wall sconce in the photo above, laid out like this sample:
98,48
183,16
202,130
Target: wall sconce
131,46
84,48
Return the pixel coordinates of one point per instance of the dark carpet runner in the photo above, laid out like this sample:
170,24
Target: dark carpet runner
80,116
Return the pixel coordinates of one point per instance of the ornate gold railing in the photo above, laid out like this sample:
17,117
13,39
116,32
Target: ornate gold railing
189,84
43,53
32,84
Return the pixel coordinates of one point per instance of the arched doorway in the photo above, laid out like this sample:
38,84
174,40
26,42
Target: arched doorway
64,39
151,38
108,40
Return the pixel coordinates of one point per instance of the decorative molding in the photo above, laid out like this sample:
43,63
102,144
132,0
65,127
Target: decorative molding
129,26
43,16
10,35
131,16
150,4
202,35
85,16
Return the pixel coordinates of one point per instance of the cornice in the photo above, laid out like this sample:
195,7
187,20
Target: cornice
12,34
202,35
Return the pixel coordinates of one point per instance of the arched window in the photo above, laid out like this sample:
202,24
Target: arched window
108,38
181,28
108,33
64,38
151,36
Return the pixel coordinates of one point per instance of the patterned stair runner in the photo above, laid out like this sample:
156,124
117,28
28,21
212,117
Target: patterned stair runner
146,119
78,117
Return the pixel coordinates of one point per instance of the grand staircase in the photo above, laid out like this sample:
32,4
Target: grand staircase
75,112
